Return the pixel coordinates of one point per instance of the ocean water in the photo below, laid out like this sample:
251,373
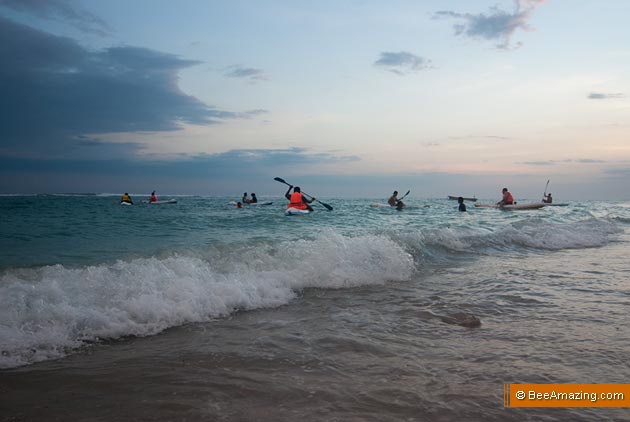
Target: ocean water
201,311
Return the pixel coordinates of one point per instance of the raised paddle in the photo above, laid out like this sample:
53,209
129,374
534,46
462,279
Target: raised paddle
545,194
400,199
281,180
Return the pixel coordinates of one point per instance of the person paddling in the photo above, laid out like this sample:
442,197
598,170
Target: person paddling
548,199
254,200
297,200
393,201
245,200
507,199
154,197
126,198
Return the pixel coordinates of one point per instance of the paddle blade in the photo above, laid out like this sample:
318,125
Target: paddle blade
280,179
328,207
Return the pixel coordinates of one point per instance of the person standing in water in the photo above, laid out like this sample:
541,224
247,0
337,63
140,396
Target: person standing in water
462,206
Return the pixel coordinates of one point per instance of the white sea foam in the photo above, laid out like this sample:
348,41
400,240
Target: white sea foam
49,311
594,232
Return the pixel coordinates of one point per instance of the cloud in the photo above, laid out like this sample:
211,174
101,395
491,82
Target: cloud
256,112
568,160
619,172
216,173
479,137
60,10
496,25
248,73
402,63
271,158
54,91
589,161
539,163
602,96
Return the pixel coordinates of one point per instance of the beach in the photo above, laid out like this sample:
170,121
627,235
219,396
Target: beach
199,311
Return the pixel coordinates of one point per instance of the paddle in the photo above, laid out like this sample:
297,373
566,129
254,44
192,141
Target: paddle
545,194
399,200
281,180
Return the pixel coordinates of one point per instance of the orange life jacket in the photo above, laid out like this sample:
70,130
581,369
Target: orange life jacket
297,202
508,197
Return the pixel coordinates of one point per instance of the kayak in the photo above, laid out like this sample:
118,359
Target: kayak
295,211
511,207
254,204
382,205
455,198
126,203
166,201
556,205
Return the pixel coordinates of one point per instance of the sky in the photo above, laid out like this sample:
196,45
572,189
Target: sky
346,99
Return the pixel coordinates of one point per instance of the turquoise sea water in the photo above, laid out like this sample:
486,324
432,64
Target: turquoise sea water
79,230
377,300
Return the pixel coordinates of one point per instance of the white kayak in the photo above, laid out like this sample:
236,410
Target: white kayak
295,211
166,201
383,205
511,207
126,203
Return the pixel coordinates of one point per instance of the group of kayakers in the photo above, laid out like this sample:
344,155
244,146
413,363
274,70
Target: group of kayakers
125,198
299,201
246,200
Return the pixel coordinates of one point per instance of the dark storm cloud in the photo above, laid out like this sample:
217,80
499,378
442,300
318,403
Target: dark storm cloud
187,174
54,91
402,62
496,25
62,10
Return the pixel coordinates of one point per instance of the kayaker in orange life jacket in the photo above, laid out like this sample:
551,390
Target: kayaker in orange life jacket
507,199
297,200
